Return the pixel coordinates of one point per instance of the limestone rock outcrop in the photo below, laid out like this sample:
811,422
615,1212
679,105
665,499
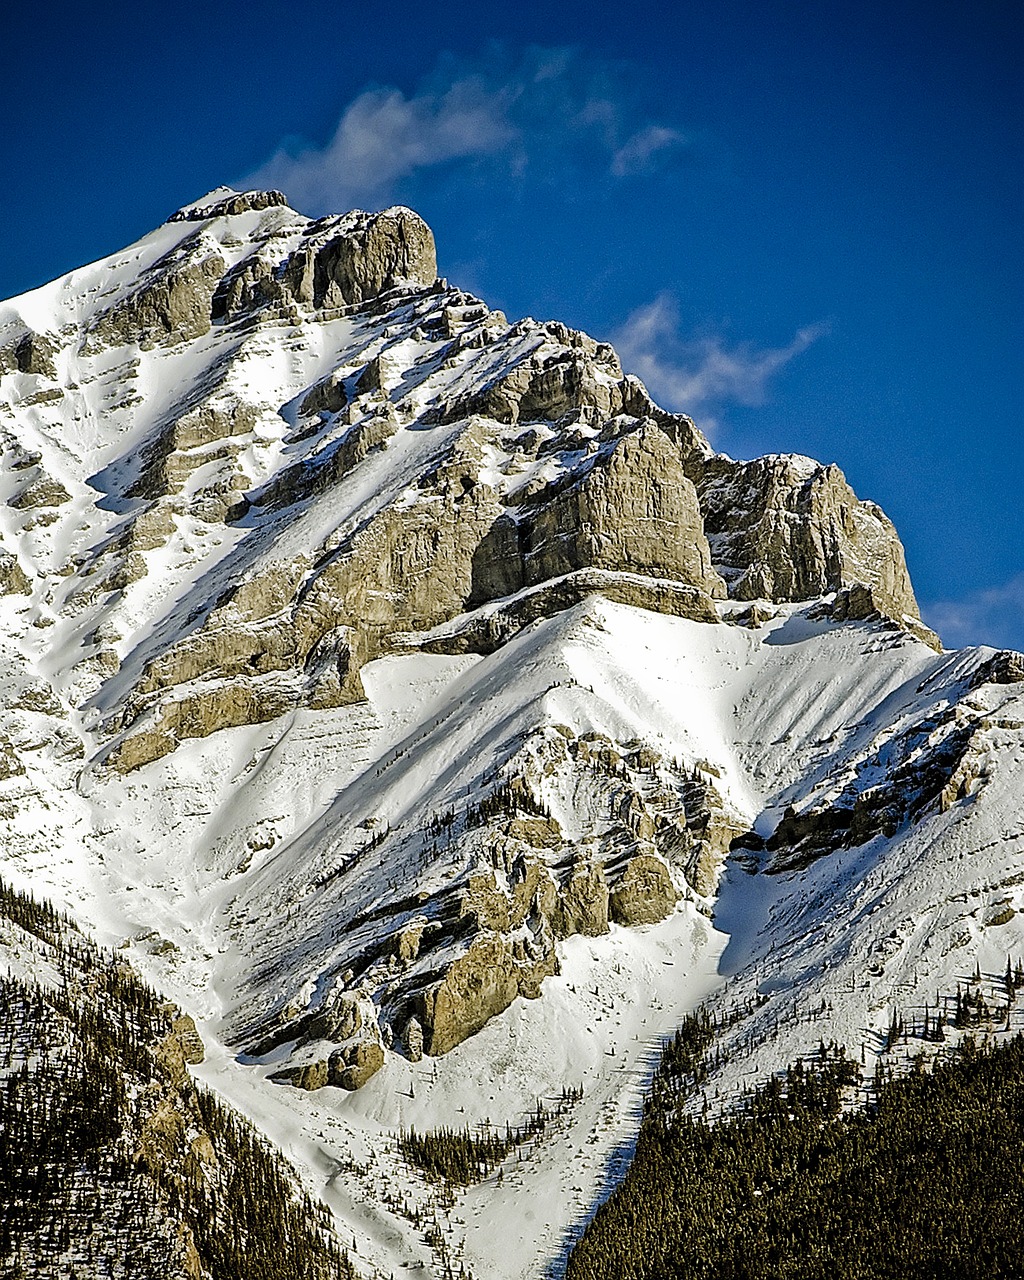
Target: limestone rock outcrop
228,205
785,528
34,353
171,305
479,984
950,768
338,262
1004,667
350,1066
582,903
362,258
645,894
633,510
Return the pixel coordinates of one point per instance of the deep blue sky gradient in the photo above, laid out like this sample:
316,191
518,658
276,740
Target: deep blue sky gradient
853,168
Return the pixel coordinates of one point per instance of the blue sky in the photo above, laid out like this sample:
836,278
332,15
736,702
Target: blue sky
800,222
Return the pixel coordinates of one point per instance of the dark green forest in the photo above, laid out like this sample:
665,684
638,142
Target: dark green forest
925,1182
461,1157
98,1174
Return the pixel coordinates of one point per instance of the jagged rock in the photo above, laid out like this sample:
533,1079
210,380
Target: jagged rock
199,714
321,472
485,632
414,1040
536,960
1004,667
633,814
350,1066
915,782
708,854
583,378
184,1027
45,491
479,984
785,528
407,944
857,603
970,771
634,510
265,646
756,615
597,749
382,373
582,902
172,305
13,579
166,459
328,396
233,202
360,255
321,657
314,1075
181,1047
854,604
485,903
340,1022
416,566
708,834
34,353
534,894
539,832
11,765
645,893
40,699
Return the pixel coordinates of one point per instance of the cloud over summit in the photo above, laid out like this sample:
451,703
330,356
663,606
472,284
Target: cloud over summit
549,111
699,376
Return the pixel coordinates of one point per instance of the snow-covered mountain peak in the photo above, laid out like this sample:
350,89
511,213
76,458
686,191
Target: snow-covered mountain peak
396,682
225,202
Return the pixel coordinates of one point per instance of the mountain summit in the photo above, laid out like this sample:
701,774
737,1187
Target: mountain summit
436,719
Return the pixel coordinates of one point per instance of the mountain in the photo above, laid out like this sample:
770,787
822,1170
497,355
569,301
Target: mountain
436,720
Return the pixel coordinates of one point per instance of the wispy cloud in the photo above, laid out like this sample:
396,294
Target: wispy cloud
641,151
991,615
700,376
543,109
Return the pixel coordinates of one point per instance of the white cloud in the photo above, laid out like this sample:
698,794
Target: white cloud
699,376
991,615
383,136
638,153
548,109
